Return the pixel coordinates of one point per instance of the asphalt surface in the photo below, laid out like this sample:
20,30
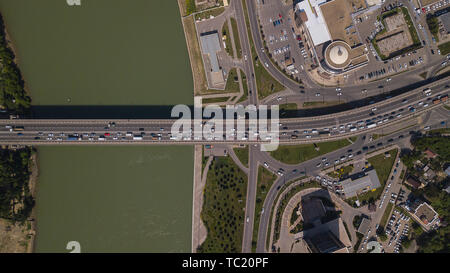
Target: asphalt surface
305,130
310,169
349,93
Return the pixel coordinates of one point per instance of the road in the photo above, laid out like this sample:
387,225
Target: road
306,130
311,170
349,93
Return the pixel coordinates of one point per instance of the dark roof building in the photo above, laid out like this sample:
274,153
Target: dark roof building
413,183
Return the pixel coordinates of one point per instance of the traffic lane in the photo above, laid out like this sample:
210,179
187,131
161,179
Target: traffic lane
294,86
251,199
273,191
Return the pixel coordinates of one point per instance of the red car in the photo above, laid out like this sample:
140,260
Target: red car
107,134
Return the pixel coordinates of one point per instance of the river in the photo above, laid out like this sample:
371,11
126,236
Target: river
107,53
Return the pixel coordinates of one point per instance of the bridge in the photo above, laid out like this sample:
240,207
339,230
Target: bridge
158,131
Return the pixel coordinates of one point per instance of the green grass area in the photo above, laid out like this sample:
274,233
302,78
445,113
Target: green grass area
190,7
353,138
313,104
265,83
232,81
444,48
288,106
423,75
294,215
440,131
341,172
215,100
242,154
386,214
209,12
383,167
298,228
433,26
295,154
237,41
346,230
265,181
227,35
358,242
411,28
245,87
223,207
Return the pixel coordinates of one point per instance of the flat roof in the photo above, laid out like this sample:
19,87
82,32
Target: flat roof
364,226
445,18
351,187
315,23
210,46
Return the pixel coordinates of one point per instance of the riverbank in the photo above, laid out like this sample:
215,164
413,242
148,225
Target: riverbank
19,236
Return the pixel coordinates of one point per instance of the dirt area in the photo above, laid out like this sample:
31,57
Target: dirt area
394,42
339,20
427,2
195,56
19,238
396,37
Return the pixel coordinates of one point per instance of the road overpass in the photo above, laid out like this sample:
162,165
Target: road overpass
157,131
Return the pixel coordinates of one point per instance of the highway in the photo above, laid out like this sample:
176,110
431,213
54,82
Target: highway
295,130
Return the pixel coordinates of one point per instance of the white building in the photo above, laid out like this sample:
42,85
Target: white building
317,27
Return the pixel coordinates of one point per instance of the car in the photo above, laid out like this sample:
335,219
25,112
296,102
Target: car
318,165
248,219
266,165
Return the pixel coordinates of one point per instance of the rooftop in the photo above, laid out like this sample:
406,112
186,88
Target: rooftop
210,46
425,213
315,21
368,182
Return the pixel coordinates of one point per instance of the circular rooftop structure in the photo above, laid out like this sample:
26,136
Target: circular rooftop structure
337,55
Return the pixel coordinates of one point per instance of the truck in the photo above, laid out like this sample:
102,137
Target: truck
427,92
137,137
17,128
72,138
371,125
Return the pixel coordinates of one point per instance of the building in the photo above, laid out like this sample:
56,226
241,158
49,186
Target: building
363,184
364,226
426,215
311,15
447,171
445,19
411,181
329,237
429,153
210,44
333,36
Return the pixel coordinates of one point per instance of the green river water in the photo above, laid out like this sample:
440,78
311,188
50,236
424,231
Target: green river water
107,52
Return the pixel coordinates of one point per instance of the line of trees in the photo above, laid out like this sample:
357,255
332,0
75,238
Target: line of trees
16,200
13,97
